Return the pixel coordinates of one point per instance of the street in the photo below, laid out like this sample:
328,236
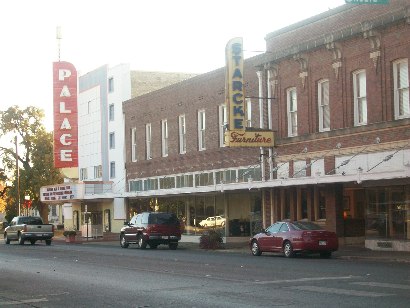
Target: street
105,275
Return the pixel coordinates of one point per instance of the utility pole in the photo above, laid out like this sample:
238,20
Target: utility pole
18,176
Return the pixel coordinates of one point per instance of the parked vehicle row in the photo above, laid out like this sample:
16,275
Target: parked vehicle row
160,228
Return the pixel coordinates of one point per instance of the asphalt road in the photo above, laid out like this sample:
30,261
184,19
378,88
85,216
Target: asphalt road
89,275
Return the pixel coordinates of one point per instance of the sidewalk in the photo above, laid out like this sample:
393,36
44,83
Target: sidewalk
347,252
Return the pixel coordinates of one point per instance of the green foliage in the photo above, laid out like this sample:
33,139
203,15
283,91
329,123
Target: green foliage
211,239
69,233
35,155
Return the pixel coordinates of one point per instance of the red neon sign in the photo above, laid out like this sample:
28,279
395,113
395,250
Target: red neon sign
65,115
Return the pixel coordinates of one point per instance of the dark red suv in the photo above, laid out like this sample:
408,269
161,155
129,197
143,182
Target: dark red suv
153,229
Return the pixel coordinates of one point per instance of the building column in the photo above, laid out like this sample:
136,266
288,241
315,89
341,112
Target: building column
282,203
309,203
334,209
260,81
273,205
298,203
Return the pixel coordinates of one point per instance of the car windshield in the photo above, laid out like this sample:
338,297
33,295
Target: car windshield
305,225
163,219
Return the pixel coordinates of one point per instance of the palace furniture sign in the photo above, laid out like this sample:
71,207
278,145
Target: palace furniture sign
238,135
65,115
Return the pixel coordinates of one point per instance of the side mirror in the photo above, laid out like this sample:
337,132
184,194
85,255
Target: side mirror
126,223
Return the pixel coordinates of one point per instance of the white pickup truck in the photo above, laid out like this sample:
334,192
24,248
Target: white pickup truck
28,228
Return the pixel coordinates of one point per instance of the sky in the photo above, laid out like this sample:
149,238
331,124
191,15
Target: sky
151,35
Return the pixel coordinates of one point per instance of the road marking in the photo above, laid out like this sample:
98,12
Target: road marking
305,279
24,301
339,291
383,285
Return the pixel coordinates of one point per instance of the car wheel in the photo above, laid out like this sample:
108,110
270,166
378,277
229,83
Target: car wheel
288,250
153,246
48,242
123,242
173,246
32,242
20,239
141,242
326,254
6,239
255,249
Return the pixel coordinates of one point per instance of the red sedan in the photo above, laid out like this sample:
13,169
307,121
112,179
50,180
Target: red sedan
292,237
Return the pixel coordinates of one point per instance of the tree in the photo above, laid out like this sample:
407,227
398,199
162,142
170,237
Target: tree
35,156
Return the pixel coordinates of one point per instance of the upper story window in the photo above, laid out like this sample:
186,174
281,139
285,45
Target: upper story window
83,174
182,134
148,140
401,89
111,112
112,140
292,112
323,105
97,172
111,84
248,112
133,144
223,122
112,169
359,97
201,130
164,133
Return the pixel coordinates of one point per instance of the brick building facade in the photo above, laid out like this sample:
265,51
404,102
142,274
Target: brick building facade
334,88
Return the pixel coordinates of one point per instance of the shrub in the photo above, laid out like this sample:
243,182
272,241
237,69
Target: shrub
69,232
211,239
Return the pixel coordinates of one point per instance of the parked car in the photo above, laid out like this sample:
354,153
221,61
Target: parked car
153,229
291,237
28,228
213,221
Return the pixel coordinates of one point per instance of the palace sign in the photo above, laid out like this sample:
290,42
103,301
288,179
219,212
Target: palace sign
65,115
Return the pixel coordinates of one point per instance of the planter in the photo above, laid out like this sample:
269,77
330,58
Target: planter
70,239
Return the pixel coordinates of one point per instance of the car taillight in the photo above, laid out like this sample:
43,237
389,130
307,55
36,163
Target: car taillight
306,234
52,228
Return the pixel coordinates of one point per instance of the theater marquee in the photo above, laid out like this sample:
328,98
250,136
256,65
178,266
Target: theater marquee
65,115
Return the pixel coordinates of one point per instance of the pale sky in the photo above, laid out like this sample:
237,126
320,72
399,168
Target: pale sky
151,35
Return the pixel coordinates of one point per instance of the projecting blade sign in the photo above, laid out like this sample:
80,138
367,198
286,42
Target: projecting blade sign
65,115
238,135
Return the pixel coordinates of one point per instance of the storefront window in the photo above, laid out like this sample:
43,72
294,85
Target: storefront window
200,213
388,213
